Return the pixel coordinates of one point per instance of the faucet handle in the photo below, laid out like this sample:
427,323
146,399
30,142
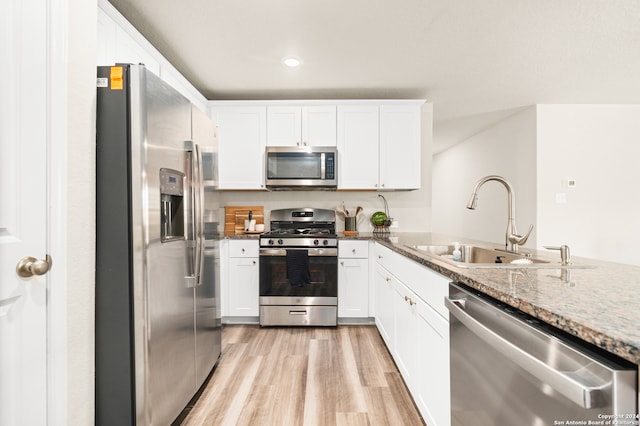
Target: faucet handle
565,253
520,239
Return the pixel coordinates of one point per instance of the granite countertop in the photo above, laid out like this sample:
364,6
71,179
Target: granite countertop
598,304
242,237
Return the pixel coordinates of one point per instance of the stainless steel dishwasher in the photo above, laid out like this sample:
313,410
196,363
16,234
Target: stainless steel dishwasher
508,368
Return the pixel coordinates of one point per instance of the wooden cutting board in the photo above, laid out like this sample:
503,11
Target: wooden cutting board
234,217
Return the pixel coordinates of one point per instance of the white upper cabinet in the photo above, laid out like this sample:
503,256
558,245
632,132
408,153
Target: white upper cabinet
358,136
379,146
241,140
400,142
301,125
378,142
119,42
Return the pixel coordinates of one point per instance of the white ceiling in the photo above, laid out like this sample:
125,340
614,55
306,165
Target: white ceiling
478,61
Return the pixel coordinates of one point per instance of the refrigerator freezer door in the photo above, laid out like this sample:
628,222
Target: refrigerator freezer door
169,369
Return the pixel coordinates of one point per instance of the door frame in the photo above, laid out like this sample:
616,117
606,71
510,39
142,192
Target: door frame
72,28
57,133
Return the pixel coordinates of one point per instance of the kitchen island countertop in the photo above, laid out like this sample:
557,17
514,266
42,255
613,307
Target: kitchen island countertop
598,304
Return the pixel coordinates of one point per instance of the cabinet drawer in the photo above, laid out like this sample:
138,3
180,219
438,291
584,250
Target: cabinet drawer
427,284
243,248
388,258
353,249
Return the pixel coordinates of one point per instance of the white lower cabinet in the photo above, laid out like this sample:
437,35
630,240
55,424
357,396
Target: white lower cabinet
385,312
416,334
353,279
243,279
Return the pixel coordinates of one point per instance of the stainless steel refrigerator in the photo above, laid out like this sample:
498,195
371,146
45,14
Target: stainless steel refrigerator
157,272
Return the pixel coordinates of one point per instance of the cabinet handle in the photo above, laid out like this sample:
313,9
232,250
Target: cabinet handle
254,262
409,300
382,185
243,250
342,263
353,251
388,279
379,257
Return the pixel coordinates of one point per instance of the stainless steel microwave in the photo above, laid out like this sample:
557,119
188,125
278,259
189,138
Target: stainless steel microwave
301,167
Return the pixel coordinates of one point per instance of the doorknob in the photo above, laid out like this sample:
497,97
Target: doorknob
30,266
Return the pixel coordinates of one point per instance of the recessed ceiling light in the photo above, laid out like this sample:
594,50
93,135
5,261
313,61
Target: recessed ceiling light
292,61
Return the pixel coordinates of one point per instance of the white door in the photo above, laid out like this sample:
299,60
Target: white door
23,211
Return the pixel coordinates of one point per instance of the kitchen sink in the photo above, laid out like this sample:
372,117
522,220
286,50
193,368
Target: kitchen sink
480,257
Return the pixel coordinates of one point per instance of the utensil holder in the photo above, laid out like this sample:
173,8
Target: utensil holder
350,224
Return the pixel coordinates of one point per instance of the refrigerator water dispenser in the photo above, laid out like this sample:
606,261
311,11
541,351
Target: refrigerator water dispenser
171,205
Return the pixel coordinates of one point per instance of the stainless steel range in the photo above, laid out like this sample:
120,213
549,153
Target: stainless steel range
299,269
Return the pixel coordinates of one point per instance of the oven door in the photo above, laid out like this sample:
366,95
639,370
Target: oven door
283,303
275,288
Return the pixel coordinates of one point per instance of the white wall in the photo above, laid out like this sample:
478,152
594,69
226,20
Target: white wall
507,149
412,209
599,147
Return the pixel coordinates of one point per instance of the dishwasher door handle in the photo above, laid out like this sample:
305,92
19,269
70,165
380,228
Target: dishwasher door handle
579,393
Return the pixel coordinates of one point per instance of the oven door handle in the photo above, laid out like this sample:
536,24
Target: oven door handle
315,252
567,383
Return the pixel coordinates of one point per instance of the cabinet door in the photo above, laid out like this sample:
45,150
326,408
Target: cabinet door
319,125
301,126
358,135
431,382
400,147
353,288
407,336
241,140
385,311
243,287
284,126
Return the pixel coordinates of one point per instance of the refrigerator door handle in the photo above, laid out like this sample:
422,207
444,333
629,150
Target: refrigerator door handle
191,207
198,215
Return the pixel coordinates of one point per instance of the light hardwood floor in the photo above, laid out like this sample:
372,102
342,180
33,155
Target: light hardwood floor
304,376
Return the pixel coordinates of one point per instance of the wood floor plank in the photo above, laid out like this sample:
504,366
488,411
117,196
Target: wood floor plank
304,376
371,357
351,398
352,419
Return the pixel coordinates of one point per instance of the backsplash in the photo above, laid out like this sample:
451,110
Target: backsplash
411,209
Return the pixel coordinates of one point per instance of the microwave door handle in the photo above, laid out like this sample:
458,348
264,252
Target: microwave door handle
323,168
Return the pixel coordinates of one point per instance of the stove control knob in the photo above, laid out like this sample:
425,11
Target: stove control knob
280,242
325,242
316,242
270,242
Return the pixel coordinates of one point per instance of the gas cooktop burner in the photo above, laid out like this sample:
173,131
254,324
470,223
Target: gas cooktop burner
294,232
304,227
